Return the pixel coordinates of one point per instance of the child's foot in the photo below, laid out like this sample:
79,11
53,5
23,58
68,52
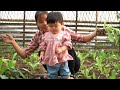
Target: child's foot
70,78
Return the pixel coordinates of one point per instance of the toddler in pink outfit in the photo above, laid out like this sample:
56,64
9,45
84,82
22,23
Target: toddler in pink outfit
54,48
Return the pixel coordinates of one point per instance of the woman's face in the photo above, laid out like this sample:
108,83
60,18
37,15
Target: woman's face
42,23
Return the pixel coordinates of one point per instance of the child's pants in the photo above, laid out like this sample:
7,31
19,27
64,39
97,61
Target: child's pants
62,68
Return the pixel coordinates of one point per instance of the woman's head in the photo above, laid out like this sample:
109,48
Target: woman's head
40,18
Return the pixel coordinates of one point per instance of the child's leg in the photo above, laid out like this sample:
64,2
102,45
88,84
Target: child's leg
65,71
52,71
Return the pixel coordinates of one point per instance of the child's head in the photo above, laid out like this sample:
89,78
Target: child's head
55,21
40,18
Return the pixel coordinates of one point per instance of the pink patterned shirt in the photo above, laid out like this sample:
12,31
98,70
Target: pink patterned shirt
36,40
50,42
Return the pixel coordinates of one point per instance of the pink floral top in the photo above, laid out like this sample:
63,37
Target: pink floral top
36,40
50,42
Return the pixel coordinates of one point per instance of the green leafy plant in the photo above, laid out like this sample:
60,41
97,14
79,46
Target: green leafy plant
113,33
94,75
106,72
113,75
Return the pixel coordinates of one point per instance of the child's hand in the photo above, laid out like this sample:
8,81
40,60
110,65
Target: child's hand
41,57
7,38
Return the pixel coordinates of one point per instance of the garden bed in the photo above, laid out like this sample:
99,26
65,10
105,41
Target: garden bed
95,64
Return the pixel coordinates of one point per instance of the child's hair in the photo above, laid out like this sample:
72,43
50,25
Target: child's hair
38,13
54,17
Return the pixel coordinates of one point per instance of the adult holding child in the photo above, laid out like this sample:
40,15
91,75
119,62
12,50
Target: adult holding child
40,18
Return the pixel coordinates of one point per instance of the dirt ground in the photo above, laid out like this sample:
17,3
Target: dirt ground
35,74
41,70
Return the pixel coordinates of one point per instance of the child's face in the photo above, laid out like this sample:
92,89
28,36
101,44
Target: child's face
55,27
42,23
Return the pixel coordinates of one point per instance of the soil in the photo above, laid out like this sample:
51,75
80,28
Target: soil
41,71
35,75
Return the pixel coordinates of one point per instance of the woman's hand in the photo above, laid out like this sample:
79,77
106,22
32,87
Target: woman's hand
8,38
58,50
61,49
101,32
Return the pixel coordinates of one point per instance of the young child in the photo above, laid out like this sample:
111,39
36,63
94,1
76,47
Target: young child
54,48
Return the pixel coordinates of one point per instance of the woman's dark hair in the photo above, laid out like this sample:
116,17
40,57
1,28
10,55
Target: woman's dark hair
54,17
38,13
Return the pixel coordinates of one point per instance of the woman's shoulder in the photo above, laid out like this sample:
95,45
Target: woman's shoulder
65,28
37,35
46,33
65,32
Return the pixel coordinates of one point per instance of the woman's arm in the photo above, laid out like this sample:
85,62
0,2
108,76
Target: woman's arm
33,45
89,37
9,39
98,32
84,38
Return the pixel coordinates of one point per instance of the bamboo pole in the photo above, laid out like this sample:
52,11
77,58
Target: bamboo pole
96,28
24,30
76,21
